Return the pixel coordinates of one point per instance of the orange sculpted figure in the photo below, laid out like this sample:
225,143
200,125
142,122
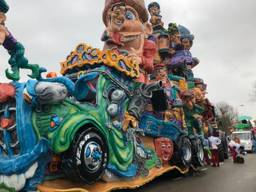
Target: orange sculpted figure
188,98
199,95
127,31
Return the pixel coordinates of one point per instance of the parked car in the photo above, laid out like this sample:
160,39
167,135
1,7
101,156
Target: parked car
246,139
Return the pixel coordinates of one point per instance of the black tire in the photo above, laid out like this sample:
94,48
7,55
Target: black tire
182,153
86,160
198,152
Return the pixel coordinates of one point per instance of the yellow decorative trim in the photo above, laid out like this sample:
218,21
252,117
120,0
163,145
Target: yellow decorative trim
85,55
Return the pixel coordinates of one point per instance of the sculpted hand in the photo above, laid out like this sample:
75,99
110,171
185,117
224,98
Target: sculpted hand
134,56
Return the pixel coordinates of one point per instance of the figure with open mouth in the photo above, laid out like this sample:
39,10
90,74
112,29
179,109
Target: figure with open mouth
127,32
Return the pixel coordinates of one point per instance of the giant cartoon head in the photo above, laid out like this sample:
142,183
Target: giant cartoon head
164,149
126,25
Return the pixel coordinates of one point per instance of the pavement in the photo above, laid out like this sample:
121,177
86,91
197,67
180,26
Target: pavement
229,177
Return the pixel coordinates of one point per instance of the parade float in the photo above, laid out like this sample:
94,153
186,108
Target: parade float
117,117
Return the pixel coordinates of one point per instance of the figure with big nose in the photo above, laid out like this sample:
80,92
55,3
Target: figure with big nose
127,32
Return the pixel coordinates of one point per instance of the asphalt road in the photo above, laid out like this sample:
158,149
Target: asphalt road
228,177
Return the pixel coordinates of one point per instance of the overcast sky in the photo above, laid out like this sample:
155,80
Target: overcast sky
224,29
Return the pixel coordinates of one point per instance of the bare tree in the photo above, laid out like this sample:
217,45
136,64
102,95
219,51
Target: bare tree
226,116
253,93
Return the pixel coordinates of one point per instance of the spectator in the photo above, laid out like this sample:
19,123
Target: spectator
234,147
214,142
207,152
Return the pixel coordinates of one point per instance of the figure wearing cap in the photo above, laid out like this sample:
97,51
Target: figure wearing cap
175,112
156,18
182,62
127,32
187,42
186,37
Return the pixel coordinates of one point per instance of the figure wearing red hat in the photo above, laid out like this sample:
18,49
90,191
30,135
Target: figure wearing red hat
127,31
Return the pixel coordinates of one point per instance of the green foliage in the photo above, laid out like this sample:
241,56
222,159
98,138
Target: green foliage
226,116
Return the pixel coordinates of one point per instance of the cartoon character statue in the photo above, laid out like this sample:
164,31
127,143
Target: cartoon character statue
175,112
186,37
181,61
175,42
164,149
127,31
156,18
187,42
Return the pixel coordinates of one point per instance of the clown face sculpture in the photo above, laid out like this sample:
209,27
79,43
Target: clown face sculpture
164,149
126,25
127,30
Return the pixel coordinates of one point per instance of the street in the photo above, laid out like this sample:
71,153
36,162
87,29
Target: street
228,177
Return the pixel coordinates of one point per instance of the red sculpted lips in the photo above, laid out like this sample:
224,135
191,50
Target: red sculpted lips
5,123
7,91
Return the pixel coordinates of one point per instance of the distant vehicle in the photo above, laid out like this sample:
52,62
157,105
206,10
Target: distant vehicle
246,139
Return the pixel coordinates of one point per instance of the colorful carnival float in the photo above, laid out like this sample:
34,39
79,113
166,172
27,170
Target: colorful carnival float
117,117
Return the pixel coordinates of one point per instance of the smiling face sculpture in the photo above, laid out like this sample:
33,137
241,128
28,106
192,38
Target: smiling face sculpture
128,20
127,30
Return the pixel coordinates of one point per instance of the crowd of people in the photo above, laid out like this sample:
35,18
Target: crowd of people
212,144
